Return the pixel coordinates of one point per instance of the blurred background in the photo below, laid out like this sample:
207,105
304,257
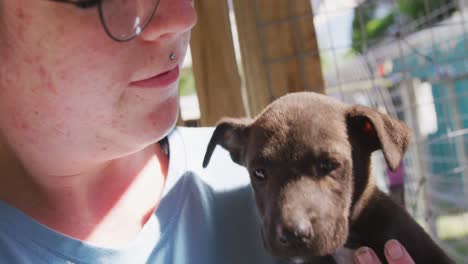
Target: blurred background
406,58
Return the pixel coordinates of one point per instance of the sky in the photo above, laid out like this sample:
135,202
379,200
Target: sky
332,20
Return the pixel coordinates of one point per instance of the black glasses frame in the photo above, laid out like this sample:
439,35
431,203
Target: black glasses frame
90,3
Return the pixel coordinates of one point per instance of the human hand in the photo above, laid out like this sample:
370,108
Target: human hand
395,253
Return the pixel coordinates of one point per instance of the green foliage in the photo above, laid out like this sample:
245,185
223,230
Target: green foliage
416,9
413,9
376,28
186,83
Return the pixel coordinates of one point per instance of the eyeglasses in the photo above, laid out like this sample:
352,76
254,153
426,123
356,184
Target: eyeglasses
122,20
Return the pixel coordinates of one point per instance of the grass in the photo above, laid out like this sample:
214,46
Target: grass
452,226
459,246
453,232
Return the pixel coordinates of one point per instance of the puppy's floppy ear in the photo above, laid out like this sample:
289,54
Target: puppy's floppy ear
231,134
379,131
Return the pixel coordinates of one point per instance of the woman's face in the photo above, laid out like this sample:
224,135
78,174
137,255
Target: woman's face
69,91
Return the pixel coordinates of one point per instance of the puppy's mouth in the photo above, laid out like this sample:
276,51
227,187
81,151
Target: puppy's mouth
320,244
298,260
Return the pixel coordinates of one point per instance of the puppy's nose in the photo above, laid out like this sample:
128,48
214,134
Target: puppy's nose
303,230
295,236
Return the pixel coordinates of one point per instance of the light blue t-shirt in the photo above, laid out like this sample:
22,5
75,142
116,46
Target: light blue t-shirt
205,216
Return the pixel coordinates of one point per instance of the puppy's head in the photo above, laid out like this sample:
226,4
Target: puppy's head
301,153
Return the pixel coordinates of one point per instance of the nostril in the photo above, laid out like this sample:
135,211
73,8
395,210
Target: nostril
281,236
283,239
297,235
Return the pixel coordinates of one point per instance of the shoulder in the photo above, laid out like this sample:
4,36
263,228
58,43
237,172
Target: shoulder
221,192
221,172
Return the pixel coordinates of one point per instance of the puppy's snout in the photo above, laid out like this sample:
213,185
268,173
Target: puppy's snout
295,236
303,230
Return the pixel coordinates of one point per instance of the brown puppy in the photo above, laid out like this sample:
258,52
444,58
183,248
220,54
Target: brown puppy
308,156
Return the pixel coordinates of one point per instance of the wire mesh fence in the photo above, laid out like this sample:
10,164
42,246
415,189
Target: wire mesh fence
408,58
417,71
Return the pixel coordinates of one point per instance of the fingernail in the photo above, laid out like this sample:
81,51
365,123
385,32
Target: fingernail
364,256
394,250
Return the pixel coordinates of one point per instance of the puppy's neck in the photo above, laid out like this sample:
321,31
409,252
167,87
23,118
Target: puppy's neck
364,190
375,218
363,199
363,182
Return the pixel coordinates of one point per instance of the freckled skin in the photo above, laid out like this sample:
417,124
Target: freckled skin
46,79
78,138
85,102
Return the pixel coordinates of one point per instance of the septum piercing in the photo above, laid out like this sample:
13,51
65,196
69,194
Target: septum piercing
172,56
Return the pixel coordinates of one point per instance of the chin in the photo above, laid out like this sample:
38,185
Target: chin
164,118
154,125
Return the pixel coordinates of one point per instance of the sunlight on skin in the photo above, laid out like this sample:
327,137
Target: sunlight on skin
131,196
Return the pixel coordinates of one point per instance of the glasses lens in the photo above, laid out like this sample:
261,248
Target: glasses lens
124,19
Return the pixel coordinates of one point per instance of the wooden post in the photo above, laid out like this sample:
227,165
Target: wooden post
214,63
279,49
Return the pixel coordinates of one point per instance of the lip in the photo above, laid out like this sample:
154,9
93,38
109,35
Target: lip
159,81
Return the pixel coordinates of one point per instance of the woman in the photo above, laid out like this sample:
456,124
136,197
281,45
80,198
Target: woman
88,102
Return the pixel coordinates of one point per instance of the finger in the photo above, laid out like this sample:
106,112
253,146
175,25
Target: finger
395,253
365,255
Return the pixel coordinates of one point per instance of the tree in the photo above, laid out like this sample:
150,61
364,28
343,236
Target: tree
374,28
416,9
367,28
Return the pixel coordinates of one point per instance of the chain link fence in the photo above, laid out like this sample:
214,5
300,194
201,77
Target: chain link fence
416,70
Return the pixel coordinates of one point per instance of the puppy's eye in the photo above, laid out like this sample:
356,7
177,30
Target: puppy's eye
259,174
326,166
